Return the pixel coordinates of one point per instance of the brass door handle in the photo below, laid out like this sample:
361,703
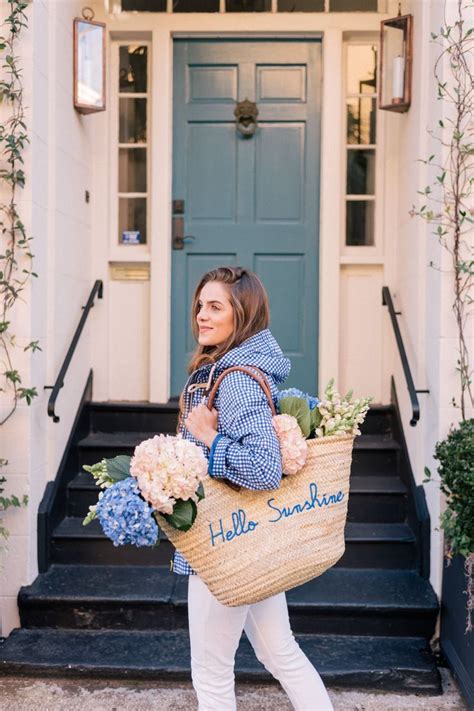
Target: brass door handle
178,238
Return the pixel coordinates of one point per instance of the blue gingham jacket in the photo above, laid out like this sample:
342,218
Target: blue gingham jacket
246,449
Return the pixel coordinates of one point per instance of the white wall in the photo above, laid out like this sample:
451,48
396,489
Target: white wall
57,166
424,293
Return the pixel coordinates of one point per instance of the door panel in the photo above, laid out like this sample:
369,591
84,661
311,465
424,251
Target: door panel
212,155
279,179
249,201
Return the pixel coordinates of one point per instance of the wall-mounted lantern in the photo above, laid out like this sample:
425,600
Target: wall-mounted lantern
89,63
396,55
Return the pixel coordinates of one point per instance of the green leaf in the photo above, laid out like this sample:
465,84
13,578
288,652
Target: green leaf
299,408
200,492
184,514
28,394
90,516
118,468
315,417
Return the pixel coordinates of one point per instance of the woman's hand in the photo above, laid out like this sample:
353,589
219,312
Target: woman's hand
202,423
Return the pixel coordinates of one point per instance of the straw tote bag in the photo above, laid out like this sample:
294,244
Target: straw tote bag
248,545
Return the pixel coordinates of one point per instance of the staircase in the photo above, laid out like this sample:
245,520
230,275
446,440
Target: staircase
107,611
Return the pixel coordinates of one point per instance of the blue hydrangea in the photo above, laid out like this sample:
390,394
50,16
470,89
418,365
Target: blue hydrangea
125,516
294,392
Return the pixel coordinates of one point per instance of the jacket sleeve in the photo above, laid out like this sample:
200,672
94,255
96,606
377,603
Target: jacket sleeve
246,451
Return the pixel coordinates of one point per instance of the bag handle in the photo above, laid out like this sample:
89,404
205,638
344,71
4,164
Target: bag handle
260,378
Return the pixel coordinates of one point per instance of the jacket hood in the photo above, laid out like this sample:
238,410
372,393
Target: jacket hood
260,350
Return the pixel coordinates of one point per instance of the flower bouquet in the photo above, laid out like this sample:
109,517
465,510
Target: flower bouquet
304,417
164,475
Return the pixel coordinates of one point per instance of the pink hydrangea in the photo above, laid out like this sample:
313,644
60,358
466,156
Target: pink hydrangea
168,468
293,445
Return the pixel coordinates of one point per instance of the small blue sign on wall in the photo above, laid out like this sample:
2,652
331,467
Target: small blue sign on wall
131,237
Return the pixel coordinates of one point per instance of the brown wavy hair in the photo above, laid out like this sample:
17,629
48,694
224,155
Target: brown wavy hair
249,301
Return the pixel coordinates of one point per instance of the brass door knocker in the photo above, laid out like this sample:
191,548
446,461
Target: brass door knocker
246,113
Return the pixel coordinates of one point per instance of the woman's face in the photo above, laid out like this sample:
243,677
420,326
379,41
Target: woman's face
215,316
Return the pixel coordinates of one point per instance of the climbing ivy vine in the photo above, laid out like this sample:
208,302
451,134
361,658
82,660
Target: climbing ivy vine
16,258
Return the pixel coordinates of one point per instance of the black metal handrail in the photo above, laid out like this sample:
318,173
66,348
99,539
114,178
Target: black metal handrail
387,301
96,289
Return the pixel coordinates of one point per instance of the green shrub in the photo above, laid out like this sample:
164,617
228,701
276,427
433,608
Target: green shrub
456,471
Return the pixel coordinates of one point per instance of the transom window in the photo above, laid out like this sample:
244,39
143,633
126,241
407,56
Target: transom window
253,5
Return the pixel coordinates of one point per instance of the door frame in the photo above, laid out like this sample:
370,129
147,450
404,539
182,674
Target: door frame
331,172
295,50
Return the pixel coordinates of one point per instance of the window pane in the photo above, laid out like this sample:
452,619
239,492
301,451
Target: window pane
360,222
132,120
132,74
132,219
132,170
360,172
300,5
361,120
144,5
195,5
351,5
248,5
361,69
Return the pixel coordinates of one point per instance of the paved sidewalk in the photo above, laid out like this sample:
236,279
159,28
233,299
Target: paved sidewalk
42,694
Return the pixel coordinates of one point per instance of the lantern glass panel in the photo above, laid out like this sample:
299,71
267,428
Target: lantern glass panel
394,63
361,70
90,65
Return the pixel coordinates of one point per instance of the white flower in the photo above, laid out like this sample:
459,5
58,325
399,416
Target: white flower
294,448
168,468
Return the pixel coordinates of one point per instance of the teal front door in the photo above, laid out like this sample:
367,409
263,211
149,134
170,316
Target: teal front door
249,201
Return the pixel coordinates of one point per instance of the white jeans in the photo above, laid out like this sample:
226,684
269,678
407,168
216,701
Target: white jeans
215,631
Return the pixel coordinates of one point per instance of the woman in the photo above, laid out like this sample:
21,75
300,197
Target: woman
230,317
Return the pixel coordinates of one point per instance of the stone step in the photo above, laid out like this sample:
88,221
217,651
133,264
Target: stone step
113,416
341,601
361,662
372,498
118,416
375,454
368,545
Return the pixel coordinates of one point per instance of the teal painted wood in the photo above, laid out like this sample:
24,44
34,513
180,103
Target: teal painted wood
251,202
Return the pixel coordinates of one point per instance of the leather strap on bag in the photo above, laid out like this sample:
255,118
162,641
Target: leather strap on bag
261,380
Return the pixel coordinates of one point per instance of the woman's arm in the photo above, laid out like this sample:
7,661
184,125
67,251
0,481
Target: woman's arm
246,451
